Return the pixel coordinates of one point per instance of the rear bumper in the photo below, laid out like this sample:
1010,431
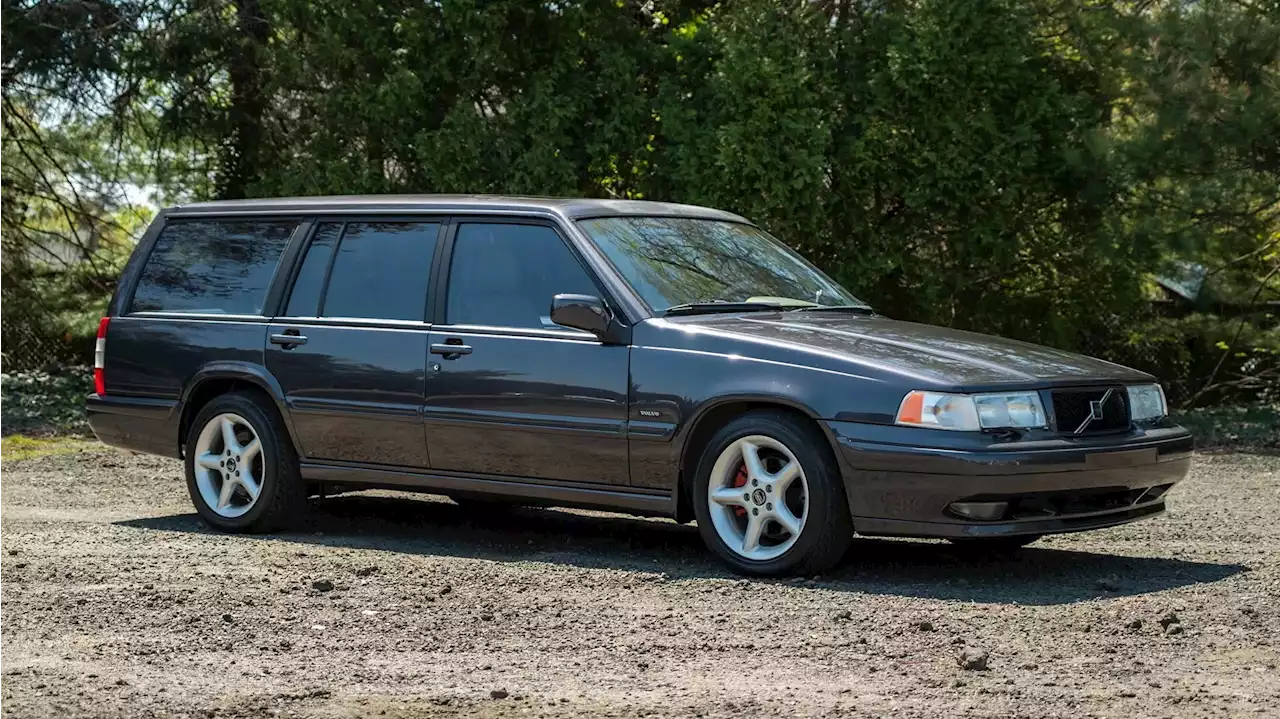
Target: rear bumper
1063,485
140,424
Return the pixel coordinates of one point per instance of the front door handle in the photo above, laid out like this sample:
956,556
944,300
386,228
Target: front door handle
288,339
450,351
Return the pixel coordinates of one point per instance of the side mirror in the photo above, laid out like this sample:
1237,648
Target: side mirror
581,312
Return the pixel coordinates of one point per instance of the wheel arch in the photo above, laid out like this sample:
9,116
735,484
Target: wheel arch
221,378
713,415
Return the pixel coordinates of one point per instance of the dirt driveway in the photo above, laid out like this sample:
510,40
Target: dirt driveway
118,602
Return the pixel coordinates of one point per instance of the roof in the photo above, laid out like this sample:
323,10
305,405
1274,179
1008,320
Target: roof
569,208
1184,279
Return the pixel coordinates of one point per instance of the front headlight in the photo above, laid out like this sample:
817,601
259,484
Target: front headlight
1146,402
965,412
1021,410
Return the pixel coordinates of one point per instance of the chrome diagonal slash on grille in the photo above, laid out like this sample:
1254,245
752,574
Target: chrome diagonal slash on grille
1095,411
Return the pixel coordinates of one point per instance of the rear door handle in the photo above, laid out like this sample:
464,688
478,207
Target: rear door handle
287,340
450,351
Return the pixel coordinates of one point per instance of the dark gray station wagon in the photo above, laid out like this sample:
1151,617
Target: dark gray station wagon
643,357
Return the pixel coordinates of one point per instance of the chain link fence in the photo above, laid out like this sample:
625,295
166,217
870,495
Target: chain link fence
34,338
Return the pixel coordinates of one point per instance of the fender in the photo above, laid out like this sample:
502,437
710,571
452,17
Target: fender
686,432
684,371
250,372
681,436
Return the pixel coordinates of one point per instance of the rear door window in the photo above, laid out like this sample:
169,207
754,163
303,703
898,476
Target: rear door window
380,271
505,275
212,266
304,301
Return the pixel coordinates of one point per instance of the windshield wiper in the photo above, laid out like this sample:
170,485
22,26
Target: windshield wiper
698,308
855,309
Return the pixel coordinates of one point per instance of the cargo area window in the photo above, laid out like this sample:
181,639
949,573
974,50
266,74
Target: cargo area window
212,266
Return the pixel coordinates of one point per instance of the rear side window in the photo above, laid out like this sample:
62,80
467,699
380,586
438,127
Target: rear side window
506,275
380,271
305,298
212,266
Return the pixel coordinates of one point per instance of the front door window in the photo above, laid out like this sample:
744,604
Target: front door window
504,275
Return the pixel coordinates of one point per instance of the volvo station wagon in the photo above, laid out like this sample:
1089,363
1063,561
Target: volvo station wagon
639,357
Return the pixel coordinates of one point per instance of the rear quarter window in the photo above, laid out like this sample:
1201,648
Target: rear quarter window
212,266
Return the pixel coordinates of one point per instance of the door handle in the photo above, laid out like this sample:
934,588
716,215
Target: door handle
450,351
288,339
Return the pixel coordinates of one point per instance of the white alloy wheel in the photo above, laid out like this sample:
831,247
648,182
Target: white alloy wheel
229,465
758,497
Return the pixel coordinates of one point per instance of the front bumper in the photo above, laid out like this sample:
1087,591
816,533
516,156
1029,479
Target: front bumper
898,488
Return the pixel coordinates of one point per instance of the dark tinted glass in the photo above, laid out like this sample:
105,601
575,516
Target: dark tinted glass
305,299
675,260
215,266
506,275
381,271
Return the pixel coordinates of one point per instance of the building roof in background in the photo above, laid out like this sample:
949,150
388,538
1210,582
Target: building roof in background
1184,279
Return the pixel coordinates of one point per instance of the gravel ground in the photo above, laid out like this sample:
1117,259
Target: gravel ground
118,602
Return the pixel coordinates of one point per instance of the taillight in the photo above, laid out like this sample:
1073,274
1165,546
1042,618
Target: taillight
100,358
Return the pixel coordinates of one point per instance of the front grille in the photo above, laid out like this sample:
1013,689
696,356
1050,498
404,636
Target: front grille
1071,407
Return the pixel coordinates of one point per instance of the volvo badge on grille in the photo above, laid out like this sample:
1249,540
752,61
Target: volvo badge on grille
1095,411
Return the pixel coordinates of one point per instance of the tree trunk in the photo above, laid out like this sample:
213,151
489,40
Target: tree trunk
242,157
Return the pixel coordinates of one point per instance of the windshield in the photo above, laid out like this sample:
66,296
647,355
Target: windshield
675,261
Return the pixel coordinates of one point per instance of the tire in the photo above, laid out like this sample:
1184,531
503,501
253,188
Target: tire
281,496
778,439
995,545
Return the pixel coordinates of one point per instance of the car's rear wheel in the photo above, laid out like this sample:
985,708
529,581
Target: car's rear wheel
242,470
769,499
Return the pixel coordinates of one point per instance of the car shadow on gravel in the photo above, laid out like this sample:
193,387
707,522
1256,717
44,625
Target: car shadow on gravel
1035,575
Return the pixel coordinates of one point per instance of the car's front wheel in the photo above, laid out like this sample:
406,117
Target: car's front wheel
242,471
769,498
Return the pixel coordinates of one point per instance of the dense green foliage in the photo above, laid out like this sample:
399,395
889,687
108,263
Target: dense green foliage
1022,168
1254,426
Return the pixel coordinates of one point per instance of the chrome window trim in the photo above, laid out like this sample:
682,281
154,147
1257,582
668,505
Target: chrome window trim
521,332
361,322
202,316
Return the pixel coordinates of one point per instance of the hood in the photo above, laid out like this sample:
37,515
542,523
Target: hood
938,355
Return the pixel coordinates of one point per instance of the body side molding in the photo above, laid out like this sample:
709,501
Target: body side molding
567,494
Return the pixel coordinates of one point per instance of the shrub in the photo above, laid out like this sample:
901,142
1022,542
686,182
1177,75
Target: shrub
1184,352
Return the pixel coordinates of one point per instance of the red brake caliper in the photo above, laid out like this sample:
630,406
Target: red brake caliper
741,481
